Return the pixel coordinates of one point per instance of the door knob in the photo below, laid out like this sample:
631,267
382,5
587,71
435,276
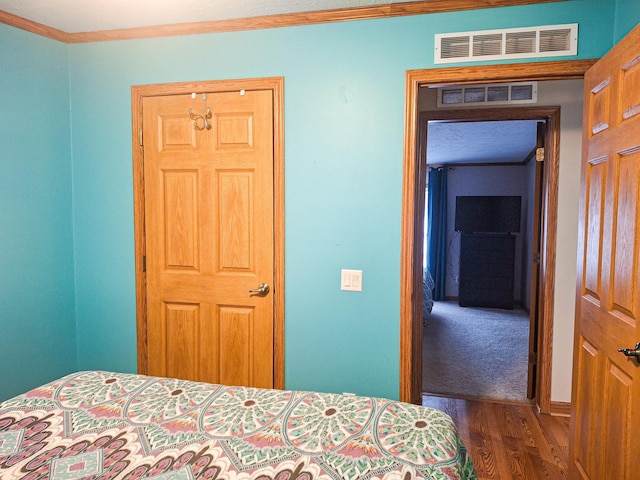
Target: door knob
631,353
261,291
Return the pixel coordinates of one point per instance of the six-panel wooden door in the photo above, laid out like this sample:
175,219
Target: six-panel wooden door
606,389
209,236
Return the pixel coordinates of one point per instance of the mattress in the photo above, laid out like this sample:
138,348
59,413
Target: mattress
100,424
428,285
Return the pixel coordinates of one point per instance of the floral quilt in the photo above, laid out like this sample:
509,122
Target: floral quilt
110,425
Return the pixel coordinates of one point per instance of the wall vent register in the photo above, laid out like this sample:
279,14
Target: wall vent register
508,43
488,94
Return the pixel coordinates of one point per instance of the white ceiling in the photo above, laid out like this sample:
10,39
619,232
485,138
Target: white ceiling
480,142
74,16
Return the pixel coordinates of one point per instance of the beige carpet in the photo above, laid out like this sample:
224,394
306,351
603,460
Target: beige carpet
476,352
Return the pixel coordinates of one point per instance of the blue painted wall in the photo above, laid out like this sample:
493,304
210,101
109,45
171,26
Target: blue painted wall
37,319
627,17
344,104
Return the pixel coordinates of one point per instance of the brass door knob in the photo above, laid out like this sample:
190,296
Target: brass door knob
629,352
261,291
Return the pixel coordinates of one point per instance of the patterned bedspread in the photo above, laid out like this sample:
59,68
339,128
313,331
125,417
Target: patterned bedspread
110,425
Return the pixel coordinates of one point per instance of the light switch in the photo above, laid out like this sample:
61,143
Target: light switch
351,280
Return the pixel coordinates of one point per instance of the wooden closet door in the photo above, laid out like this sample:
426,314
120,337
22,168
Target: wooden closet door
210,237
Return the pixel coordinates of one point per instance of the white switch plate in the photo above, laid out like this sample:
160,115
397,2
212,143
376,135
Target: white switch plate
351,280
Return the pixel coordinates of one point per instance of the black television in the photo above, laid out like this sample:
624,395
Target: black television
497,214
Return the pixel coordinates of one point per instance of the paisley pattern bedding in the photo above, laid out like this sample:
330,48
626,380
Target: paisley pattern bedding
110,425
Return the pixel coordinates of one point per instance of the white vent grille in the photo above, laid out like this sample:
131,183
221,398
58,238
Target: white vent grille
487,94
545,41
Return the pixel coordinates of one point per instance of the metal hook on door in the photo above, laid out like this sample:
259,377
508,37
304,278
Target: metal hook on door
201,122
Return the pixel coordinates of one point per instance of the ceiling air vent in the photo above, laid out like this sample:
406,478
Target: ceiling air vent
529,42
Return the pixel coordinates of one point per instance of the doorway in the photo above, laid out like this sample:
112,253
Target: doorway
182,246
413,186
487,308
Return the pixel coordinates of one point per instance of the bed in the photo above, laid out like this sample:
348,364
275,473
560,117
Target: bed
427,293
100,424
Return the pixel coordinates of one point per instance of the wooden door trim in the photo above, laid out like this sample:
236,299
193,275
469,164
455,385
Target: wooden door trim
138,92
410,277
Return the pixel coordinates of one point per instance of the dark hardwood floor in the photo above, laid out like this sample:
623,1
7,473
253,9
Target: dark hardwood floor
509,441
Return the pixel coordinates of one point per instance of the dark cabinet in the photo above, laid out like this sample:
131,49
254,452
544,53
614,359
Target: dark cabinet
487,264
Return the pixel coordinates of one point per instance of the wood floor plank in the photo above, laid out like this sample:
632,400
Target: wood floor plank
509,441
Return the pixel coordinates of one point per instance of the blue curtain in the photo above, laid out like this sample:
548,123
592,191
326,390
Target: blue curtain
437,229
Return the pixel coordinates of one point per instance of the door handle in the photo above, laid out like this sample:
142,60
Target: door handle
261,291
631,352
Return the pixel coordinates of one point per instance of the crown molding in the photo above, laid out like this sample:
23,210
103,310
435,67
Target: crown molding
263,22
34,27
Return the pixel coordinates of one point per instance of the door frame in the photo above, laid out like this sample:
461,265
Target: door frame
138,92
410,266
550,116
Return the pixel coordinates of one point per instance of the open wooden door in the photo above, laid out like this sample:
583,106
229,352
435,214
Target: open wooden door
535,308
606,385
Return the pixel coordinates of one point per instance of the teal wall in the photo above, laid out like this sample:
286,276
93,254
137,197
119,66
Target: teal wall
37,321
344,104
627,17
67,200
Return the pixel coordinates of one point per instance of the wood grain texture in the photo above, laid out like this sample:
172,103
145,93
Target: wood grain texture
266,21
509,441
536,292
209,232
561,409
277,89
276,85
410,278
548,261
515,72
410,331
605,415
34,27
138,230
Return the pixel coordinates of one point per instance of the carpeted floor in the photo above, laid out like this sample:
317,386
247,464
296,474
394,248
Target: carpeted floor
476,352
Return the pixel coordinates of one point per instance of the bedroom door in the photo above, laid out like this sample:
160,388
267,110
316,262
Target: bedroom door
209,229
606,387
536,307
